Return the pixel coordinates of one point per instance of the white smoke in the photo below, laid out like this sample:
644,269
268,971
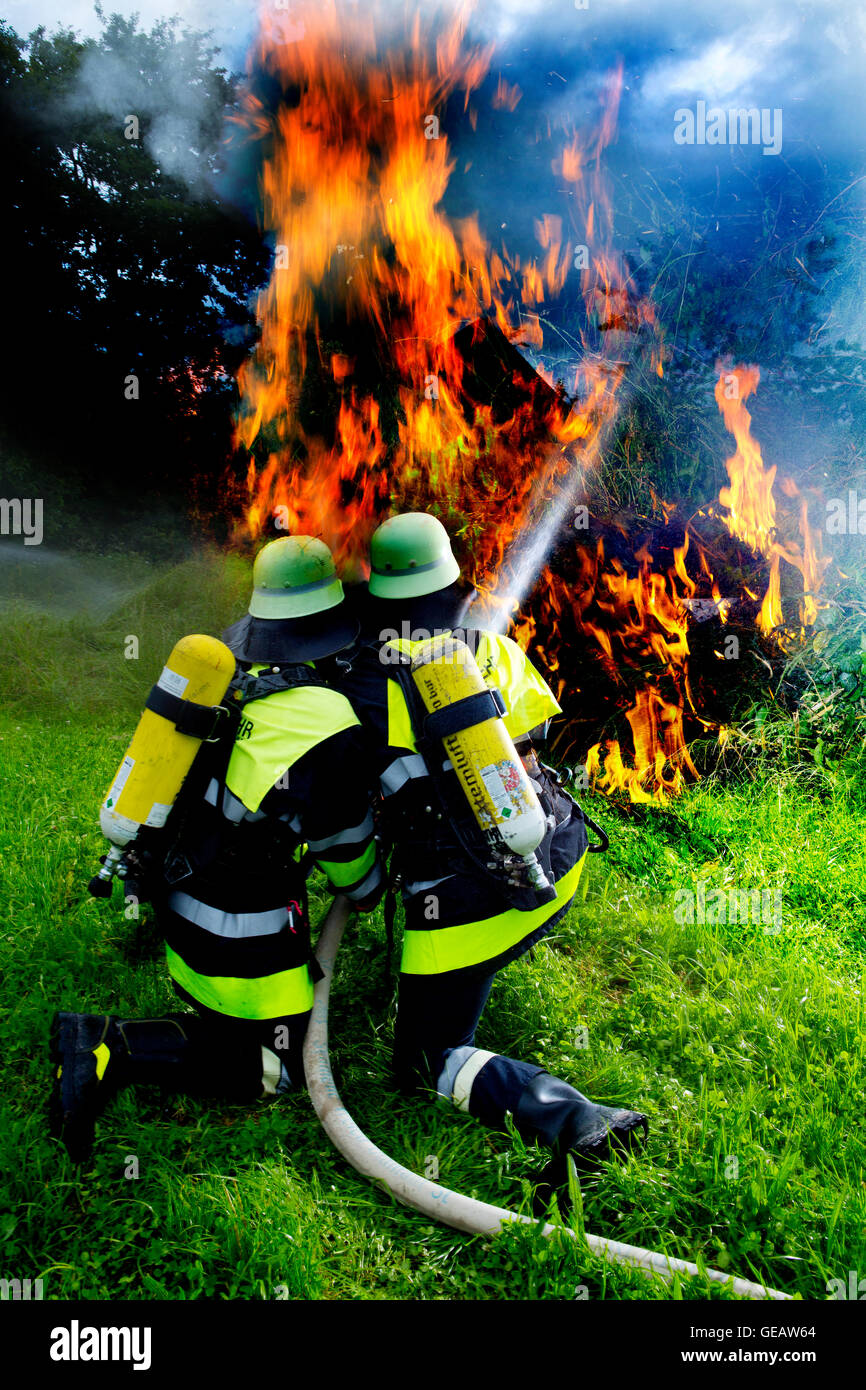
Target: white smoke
172,112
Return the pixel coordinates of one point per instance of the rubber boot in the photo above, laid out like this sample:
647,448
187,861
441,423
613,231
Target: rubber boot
558,1115
95,1055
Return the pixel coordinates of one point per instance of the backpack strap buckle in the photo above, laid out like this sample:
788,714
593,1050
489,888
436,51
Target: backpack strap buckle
198,721
462,714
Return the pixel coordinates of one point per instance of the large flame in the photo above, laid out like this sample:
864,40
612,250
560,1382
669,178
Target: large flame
356,163
362,399
643,620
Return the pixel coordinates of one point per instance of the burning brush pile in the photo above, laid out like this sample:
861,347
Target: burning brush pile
392,374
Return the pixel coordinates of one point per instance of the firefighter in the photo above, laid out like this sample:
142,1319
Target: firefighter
461,925
229,894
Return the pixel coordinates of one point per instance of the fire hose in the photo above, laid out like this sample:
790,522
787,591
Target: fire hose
451,1208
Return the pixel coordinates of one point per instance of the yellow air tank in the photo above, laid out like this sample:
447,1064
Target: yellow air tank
483,755
159,757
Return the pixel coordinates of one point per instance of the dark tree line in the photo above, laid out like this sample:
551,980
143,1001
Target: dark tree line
118,268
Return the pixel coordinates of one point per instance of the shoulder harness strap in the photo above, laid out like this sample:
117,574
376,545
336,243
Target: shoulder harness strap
469,835
209,722
188,852
246,687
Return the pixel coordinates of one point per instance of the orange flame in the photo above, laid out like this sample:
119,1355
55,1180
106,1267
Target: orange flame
637,621
751,504
356,163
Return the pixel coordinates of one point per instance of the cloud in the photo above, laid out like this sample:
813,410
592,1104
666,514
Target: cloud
722,70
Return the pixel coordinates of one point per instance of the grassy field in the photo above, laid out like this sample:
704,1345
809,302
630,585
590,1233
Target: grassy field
743,1043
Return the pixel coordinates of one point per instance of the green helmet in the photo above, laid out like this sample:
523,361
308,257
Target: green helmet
411,555
294,577
297,610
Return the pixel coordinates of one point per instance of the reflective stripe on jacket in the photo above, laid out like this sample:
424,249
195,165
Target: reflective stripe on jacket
237,930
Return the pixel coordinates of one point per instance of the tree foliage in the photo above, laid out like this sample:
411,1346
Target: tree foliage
122,258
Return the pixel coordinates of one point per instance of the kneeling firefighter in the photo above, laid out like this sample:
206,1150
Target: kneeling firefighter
488,847
227,871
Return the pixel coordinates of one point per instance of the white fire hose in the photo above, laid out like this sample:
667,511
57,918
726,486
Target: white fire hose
451,1208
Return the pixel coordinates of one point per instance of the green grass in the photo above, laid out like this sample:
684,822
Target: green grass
57,665
744,1047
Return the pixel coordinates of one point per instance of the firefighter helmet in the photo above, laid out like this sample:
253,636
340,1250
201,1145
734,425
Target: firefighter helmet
294,577
410,555
297,610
